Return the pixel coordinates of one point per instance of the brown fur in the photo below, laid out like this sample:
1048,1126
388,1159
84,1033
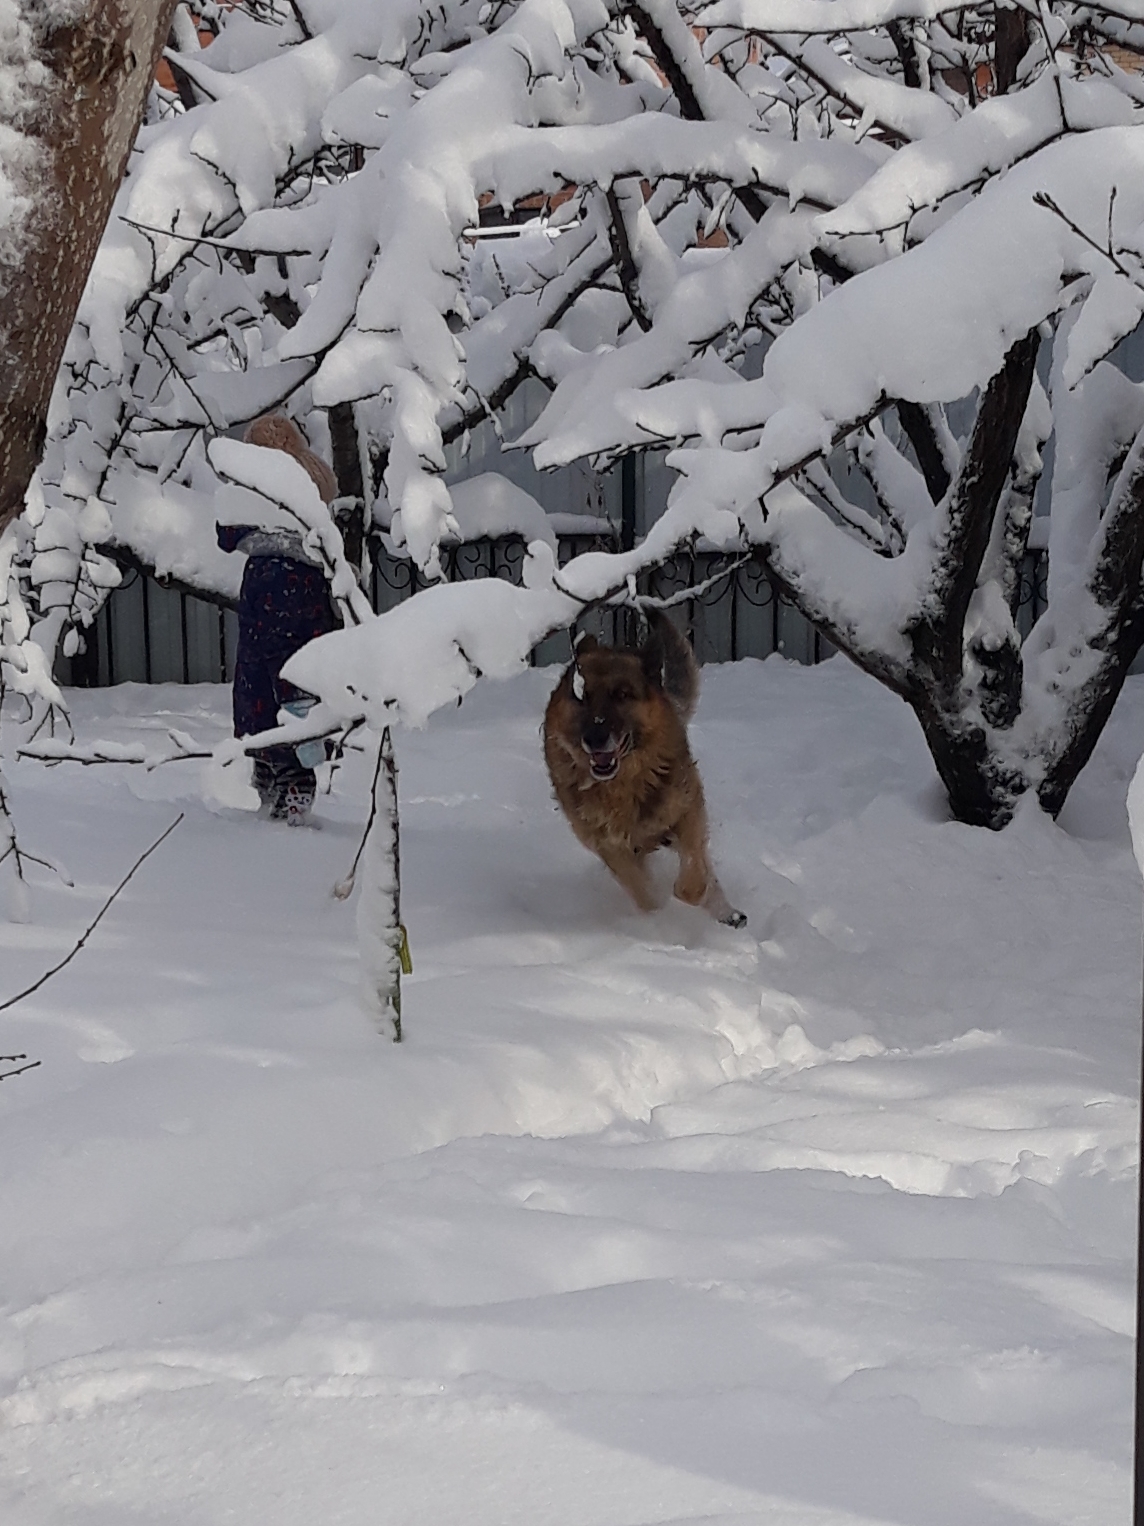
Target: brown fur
622,769
277,432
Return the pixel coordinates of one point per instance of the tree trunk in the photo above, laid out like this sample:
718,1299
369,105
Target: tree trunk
80,129
1115,588
982,790
347,469
1061,774
966,711
1011,43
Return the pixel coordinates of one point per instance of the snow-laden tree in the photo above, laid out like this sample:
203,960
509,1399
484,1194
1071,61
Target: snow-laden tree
855,263
74,79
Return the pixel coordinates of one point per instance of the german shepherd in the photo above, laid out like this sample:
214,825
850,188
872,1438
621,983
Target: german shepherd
615,741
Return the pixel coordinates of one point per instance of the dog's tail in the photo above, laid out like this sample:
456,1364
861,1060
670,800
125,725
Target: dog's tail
668,655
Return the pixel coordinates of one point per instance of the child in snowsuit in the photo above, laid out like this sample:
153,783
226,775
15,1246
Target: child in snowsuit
283,603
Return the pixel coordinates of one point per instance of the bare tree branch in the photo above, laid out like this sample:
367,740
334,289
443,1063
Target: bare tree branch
87,932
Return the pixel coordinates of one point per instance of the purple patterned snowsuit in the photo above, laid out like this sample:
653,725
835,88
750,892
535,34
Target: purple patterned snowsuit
283,603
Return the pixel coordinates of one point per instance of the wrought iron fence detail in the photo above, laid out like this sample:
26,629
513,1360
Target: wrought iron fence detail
147,633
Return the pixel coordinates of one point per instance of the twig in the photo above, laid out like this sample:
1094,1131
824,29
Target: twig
205,238
303,26
1043,199
6,1059
91,756
33,858
86,934
692,591
14,850
344,888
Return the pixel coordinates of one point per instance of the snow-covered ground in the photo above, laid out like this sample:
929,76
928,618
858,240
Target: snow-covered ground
825,1223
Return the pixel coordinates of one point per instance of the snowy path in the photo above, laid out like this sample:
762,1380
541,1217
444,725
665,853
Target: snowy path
649,1221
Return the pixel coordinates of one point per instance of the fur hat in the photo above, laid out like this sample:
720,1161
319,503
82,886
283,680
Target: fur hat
277,432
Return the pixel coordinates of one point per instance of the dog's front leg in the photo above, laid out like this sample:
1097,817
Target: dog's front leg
696,882
630,868
716,902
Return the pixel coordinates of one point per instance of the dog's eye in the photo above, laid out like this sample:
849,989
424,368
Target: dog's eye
622,696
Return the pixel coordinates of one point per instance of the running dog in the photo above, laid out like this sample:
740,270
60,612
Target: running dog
615,742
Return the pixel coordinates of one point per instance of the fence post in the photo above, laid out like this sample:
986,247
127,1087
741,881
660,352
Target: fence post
627,501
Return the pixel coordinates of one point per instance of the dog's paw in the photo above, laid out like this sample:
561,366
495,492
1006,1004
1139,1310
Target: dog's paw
733,918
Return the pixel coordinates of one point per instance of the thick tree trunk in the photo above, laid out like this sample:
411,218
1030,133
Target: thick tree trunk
982,789
1116,591
938,635
81,127
966,710
347,469
1062,772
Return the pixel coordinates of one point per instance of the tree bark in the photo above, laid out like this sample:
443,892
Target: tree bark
907,52
981,788
920,433
382,943
937,637
347,469
1115,587
81,127
1010,44
689,108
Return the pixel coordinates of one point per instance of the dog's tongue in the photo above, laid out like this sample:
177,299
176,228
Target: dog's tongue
603,762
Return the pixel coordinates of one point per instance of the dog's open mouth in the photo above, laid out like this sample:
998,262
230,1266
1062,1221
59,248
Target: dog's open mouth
604,763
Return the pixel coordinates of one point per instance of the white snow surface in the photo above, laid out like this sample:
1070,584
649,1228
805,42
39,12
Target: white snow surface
825,1223
1136,814
489,504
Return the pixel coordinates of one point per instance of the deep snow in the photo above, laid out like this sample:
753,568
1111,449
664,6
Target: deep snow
648,1221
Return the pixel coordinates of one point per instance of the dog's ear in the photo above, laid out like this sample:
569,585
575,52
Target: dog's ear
652,657
584,643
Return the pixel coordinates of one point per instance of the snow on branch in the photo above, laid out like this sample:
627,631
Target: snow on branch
427,652
282,495
875,101
930,326
788,244
828,17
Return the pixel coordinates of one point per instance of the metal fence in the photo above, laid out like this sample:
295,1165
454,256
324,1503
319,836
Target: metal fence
148,633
